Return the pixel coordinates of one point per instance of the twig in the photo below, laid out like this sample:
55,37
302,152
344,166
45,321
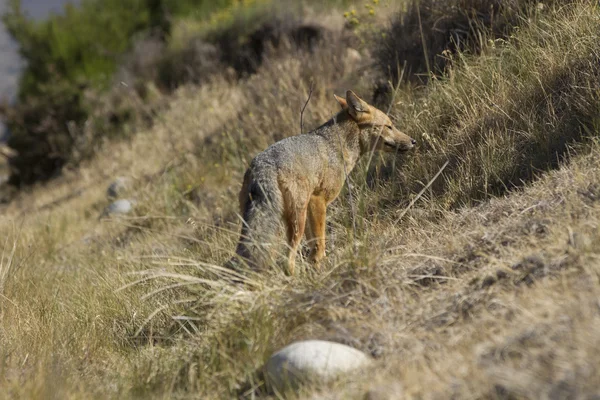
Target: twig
425,256
412,203
7,152
423,42
312,83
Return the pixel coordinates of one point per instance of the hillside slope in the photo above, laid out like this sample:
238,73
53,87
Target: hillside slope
486,287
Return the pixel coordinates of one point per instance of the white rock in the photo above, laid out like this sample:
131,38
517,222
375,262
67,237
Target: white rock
118,187
312,359
119,207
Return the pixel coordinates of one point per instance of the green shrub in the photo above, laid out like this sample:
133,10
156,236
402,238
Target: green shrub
87,40
38,133
84,43
66,53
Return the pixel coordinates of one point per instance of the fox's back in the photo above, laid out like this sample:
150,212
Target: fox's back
305,155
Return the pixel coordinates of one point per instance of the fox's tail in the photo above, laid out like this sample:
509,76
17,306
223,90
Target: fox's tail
261,203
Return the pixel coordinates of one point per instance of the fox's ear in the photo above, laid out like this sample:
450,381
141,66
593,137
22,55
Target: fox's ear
356,105
342,102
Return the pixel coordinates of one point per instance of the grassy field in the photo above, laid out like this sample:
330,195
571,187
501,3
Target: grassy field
484,285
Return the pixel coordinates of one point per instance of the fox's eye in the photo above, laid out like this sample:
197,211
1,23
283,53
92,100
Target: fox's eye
388,126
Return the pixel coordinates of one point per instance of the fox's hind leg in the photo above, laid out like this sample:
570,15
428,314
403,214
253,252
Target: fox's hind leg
317,208
242,248
295,210
245,191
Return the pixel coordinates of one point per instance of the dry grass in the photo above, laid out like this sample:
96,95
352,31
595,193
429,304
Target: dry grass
498,300
503,117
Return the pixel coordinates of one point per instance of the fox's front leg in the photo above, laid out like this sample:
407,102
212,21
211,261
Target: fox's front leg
317,210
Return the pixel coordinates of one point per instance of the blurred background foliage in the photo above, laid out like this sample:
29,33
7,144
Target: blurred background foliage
87,40
71,62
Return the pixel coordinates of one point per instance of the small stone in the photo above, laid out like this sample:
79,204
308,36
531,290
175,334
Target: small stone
312,360
118,207
488,281
118,187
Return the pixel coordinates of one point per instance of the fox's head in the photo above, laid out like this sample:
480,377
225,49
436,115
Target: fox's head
376,129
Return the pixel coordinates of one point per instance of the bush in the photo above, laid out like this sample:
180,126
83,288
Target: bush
195,63
237,49
246,55
88,40
66,123
39,134
84,43
55,121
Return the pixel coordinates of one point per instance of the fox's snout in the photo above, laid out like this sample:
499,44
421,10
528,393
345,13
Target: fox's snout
413,143
399,142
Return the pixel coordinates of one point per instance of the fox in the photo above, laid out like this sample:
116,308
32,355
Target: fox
291,183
